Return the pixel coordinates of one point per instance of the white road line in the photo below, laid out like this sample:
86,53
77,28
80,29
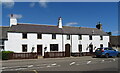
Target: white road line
48,66
113,59
30,66
54,64
88,62
72,63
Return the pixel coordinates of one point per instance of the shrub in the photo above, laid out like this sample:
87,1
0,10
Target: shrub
5,54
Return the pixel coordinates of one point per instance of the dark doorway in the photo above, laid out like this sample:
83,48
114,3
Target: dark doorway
67,50
91,48
39,50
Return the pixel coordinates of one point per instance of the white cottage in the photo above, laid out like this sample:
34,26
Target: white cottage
50,38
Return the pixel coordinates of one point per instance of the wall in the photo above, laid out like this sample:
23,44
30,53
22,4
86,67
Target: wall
15,42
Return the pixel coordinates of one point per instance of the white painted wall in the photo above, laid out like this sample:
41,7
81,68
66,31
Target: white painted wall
15,42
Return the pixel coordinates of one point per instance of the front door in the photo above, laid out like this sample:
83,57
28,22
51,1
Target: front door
91,48
67,50
39,50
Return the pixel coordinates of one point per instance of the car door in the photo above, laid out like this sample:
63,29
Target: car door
111,52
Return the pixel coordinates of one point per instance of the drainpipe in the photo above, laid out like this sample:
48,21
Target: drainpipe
71,46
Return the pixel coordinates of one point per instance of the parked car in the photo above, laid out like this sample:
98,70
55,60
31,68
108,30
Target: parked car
106,52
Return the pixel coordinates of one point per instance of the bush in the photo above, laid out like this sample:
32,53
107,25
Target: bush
5,54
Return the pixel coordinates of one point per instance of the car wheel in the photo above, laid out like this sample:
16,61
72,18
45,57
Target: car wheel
107,55
118,55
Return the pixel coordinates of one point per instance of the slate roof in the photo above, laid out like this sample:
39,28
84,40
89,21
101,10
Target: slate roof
3,32
115,40
33,28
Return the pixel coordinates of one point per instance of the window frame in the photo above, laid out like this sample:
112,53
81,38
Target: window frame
68,36
53,36
24,35
39,36
54,47
90,37
79,37
101,37
23,47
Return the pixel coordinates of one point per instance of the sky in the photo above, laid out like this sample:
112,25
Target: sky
78,14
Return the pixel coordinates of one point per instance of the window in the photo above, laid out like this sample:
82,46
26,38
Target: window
53,36
53,47
80,37
101,45
101,37
24,48
68,37
24,35
39,36
90,37
80,48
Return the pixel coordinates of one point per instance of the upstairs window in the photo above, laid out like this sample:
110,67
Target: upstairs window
90,37
24,35
53,36
101,37
39,36
24,48
80,37
68,37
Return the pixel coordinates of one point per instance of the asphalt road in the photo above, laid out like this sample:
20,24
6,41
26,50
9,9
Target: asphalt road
85,63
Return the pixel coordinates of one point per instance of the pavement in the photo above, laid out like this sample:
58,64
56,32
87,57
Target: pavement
86,63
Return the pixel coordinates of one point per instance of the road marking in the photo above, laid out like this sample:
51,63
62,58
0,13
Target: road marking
35,71
88,62
72,63
48,66
54,64
30,66
113,59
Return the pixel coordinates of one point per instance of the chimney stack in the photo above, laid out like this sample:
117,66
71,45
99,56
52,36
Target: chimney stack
60,22
99,26
13,20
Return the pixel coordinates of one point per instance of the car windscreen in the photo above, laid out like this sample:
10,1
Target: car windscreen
99,48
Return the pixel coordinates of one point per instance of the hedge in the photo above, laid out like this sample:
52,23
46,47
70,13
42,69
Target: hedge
5,54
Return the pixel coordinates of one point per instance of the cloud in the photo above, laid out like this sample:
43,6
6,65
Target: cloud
71,24
8,3
18,16
43,3
32,4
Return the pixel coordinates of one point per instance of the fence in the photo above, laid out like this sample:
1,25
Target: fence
23,56
54,54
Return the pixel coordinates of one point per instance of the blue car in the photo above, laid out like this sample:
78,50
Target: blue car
106,52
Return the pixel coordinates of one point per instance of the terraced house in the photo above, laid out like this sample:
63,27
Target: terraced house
24,37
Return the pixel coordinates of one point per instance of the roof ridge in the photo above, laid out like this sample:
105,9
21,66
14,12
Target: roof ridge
79,27
34,24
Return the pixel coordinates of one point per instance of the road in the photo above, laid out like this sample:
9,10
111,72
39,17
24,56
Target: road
85,63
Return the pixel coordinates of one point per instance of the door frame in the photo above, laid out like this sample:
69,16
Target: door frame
67,50
41,53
